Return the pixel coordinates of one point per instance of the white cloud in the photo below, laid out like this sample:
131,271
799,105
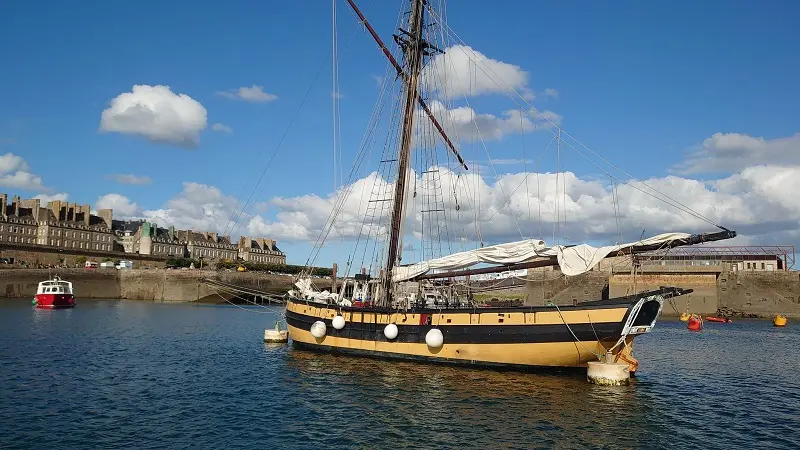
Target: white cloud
198,207
156,113
465,124
221,128
253,93
461,71
758,202
127,178
550,92
15,173
122,206
730,152
303,218
62,196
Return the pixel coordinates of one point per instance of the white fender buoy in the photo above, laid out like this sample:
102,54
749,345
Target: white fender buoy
434,338
607,372
390,331
318,329
338,322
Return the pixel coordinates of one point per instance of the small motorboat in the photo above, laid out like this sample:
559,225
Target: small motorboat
695,323
719,319
780,321
54,293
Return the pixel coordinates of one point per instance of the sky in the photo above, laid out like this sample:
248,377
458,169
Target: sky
171,111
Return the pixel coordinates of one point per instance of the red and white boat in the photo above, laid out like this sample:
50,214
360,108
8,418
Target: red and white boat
54,294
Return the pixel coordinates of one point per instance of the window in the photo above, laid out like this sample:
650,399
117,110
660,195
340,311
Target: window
763,266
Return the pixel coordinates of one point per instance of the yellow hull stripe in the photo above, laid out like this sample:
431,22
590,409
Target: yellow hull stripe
559,354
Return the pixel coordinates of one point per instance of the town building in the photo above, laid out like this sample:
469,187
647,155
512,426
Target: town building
260,250
18,225
65,225
145,238
208,245
60,224
758,258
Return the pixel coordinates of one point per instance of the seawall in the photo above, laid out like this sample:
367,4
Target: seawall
139,284
762,293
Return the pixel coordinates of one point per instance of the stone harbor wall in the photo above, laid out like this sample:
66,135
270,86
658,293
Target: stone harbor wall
762,293
139,284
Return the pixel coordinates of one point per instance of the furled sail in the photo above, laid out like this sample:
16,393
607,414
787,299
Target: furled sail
573,260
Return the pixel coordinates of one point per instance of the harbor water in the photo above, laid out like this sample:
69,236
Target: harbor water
125,374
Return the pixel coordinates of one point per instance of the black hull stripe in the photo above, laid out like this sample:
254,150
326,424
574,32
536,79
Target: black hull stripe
467,334
319,348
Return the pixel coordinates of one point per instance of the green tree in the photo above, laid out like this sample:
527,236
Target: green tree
80,260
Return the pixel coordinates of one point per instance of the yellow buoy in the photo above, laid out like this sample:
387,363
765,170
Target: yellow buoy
780,321
685,317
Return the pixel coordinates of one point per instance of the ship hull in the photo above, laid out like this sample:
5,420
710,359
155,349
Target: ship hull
529,337
54,301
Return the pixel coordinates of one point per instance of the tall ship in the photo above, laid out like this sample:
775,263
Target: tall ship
425,201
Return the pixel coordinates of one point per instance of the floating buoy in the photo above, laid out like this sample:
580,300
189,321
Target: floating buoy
685,317
390,331
718,319
277,335
318,329
338,322
434,338
695,323
780,321
33,302
607,372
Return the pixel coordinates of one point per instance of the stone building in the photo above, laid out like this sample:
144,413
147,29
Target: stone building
208,245
18,225
127,234
145,238
260,250
59,224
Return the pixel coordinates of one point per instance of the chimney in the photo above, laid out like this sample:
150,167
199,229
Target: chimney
15,201
3,201
87,212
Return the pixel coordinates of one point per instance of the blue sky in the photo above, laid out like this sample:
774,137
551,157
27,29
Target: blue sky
641,83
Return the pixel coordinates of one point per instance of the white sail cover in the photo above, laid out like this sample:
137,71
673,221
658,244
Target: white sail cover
572,260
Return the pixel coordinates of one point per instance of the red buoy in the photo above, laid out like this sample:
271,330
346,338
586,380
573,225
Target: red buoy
695,324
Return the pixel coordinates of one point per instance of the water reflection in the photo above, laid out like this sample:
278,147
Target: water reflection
475,405
145,375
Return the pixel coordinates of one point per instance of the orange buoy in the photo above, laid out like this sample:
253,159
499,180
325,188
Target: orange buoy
780,321
695,323
718,319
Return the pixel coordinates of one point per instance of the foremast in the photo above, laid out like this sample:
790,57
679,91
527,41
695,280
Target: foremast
413,47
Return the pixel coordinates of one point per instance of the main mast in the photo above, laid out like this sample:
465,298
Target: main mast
413,48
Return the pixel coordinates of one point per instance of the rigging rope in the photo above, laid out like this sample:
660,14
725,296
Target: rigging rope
508,88
234,223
